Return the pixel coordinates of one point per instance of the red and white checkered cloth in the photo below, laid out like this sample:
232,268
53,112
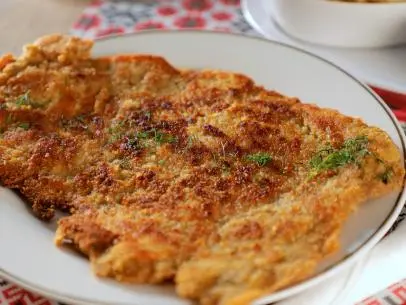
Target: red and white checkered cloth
102,18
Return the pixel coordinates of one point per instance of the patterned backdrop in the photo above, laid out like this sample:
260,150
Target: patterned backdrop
117,17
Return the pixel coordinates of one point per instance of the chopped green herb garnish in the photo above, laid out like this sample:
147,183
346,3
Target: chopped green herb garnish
158,136
116,132
260,158
24,125
140,138
114,138
141,135
386,175
23,100
161,162
161,138
26,100
352,151
357,145
171,139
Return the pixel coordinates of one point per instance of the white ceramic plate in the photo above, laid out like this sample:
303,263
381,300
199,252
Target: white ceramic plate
331,23
27,253
382,67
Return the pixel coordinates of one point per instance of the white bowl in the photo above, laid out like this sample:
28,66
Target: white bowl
342,24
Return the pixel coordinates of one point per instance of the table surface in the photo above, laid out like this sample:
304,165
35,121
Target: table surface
25,20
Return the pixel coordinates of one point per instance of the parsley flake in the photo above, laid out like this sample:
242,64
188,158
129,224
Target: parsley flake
116,132
141,135
386,175
23,100
260,158
352,151
26,100
161,138
24,125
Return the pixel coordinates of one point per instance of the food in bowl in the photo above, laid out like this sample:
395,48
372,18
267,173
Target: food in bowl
202,178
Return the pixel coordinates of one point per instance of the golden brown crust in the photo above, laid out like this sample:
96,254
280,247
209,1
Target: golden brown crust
200,177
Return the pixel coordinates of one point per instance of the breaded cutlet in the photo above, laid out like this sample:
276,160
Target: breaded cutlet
202,178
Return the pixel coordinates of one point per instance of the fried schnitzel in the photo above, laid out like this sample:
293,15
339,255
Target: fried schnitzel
197,177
